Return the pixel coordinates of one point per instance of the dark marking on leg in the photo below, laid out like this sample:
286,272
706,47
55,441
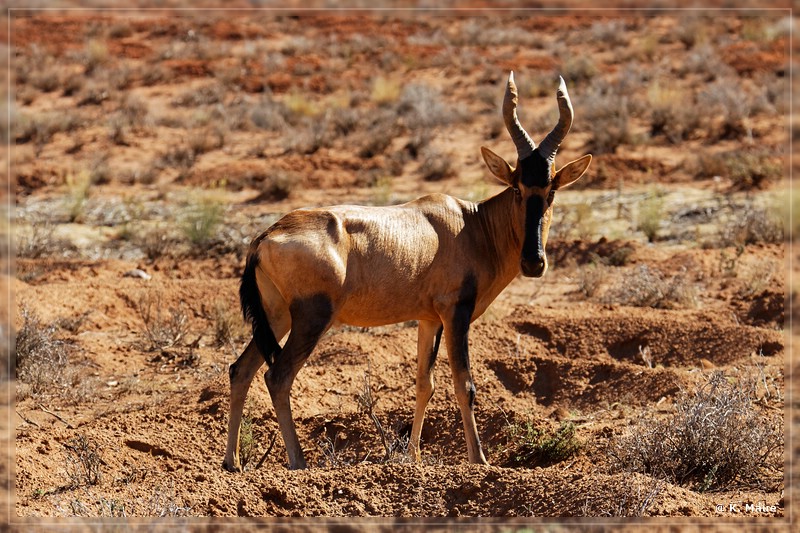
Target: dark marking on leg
435,350
310,317
462,317
471,391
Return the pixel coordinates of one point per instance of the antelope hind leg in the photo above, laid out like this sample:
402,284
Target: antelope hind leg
429,337
311,317
241,374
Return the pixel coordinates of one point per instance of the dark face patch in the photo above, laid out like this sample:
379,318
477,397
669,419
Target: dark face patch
534,215
535,171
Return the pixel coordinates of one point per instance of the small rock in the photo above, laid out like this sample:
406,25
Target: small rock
137,273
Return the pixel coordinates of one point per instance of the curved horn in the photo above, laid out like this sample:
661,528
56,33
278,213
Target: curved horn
550,143
523,142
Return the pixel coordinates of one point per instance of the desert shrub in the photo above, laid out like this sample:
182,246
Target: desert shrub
134,109
247,441
99,170
607,117
650,215
692,30
201,219
155,243
578,69
752,170
211,93
39,129
120,30
752,224
385,91
204,140
227,325
574,220
93,93
423,107
375,144
609,32
269,115
533,446
46,79
161,327
729,101
395,446
40,241
299,106
631,498
164,503
717,439
746,169
435,165
703,60
591,278
77,192
82,462
672,113
180,157
41,358
648,287
95,54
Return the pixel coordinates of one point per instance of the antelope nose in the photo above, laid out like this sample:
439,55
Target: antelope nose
534,268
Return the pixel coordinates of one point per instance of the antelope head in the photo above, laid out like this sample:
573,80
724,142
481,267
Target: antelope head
534,180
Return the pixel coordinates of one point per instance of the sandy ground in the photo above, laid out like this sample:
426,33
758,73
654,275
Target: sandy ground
249,116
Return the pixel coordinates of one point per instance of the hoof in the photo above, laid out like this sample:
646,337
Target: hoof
231,468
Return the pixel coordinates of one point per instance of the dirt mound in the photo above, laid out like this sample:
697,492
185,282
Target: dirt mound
674,338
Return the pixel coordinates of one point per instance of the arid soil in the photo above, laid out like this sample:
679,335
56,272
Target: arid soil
150,148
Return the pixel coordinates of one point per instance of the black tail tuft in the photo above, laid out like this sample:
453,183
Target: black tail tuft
253,311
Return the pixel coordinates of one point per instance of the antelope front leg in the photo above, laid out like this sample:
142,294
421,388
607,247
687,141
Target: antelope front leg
241,374
429,336
456,335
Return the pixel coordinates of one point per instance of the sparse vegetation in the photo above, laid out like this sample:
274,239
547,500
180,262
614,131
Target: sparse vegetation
208,124
591,278
717,439
201,219
247,441
752,224
228,325
41,357
648,287
82,462
650,216
607,118
532,446
395,449
162,327
435,165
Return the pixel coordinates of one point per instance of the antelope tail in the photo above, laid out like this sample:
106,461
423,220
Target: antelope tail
253,311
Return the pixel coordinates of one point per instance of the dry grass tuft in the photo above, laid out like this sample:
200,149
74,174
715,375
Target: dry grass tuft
716,440
82,462
41,358
161,328
532,446
649,287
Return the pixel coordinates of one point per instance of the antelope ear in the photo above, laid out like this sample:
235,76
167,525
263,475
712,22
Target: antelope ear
498,166
571,172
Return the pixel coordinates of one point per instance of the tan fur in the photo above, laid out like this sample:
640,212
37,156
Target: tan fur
438,260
